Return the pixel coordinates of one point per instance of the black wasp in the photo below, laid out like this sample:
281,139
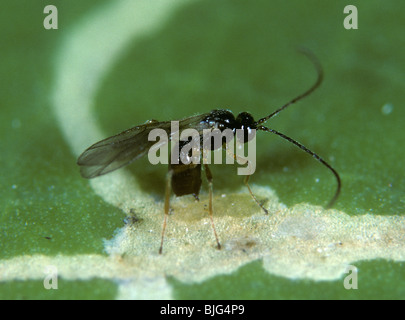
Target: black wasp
119,150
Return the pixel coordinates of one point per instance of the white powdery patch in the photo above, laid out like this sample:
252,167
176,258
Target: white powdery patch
304,241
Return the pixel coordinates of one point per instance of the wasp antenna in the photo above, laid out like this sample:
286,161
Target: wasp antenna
319,79
314,155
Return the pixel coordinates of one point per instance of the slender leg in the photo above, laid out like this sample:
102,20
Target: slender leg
209,178
253,196
246,182
167,207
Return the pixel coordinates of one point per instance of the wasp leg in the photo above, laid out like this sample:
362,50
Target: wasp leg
246,181
209,179
167,207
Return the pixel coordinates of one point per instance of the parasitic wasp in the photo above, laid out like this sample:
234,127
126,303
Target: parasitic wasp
183,179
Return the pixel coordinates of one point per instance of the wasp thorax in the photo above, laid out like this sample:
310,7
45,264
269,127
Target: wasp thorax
222,119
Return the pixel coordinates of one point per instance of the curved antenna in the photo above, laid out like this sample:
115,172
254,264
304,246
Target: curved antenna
319,70
313,154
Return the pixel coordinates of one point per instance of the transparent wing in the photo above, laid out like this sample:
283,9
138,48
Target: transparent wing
117,151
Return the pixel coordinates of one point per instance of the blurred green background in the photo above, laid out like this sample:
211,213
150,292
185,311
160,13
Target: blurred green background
210,54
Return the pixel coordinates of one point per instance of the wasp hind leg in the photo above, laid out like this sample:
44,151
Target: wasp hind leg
167,207
209,179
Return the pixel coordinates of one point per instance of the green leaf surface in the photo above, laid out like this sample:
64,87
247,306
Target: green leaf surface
201,55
